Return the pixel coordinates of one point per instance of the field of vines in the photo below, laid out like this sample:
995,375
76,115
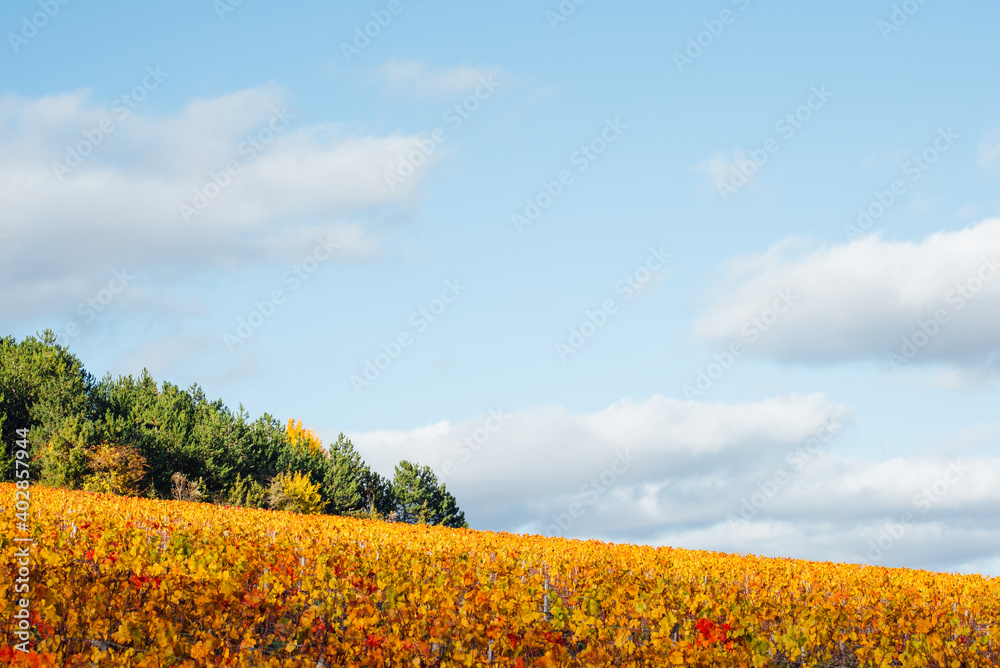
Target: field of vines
116,581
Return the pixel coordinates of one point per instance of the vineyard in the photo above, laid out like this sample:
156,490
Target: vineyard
117,581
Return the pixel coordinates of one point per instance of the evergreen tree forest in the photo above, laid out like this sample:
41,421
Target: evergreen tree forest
135,436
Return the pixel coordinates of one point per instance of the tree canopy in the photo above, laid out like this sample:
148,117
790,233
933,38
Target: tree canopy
130,435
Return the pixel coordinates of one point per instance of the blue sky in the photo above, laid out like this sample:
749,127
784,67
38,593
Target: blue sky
268,166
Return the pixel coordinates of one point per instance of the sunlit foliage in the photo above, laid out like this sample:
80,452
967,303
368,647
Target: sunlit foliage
119,581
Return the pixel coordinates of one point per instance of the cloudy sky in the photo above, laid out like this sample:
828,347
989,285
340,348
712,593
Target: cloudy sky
716,276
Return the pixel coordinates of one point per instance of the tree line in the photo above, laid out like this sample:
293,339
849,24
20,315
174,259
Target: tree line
134,436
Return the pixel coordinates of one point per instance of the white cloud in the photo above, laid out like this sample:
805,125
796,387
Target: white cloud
916,511
968,212
860,300
543,456
989,150
413,77
944,376
764,477
121,205
721,168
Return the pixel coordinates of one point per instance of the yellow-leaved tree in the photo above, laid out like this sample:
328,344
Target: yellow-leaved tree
305,439
117,469
297,493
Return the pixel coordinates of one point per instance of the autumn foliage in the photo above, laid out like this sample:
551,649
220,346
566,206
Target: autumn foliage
303,438
122,581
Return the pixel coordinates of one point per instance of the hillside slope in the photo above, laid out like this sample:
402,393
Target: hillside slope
134,582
